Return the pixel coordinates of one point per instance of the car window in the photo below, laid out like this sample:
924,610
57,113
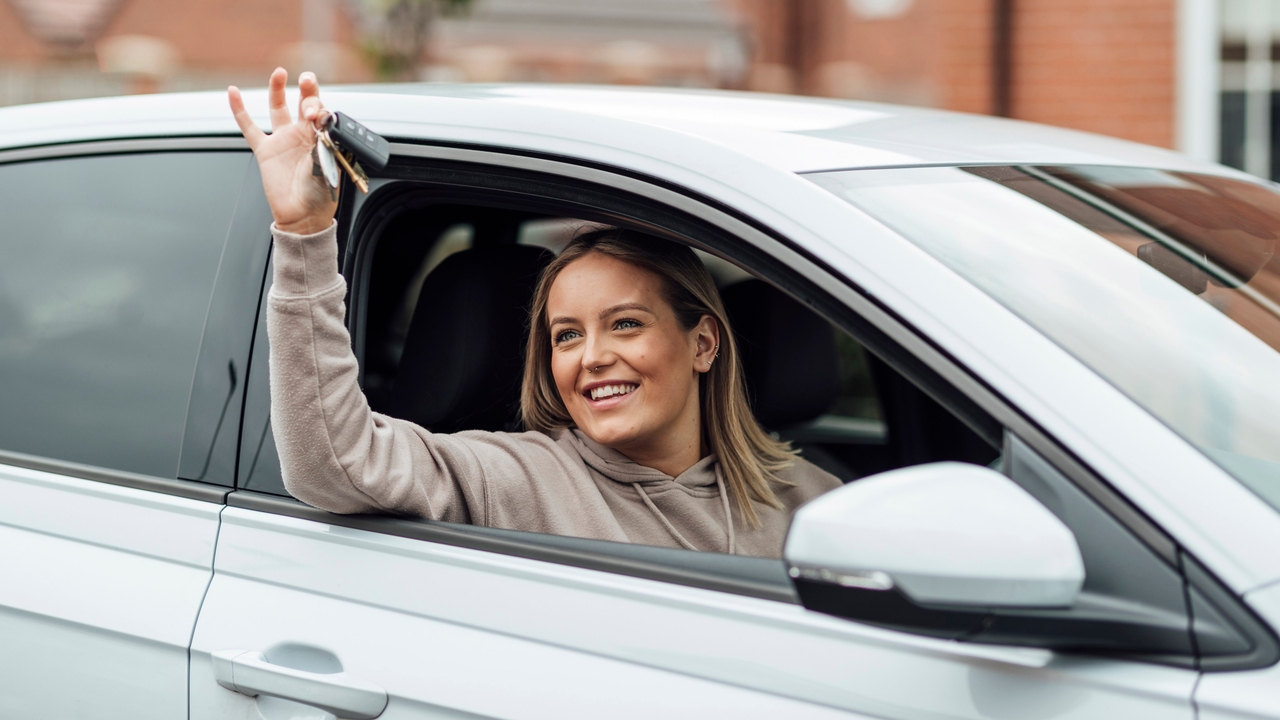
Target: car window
109,262
1165,283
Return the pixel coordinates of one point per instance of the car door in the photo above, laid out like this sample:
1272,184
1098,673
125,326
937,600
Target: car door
111,258
402,618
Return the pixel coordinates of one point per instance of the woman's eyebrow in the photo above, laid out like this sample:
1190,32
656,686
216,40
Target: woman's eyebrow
562,320
624,306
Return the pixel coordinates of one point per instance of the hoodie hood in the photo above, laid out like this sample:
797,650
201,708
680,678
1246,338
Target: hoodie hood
620,468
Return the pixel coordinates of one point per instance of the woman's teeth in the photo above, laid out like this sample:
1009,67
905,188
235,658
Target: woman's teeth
604,391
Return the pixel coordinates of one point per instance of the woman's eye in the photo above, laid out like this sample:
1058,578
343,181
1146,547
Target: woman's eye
626,325
566,336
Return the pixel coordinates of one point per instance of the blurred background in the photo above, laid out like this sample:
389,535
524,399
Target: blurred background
1195,75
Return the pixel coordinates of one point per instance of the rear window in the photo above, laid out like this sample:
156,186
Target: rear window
109,263
1166,283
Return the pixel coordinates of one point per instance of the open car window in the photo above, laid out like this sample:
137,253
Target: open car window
810,381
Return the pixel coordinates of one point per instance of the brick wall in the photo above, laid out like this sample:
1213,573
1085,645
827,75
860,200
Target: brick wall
1106,66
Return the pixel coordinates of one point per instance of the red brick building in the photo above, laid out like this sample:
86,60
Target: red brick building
1165,72
1106,66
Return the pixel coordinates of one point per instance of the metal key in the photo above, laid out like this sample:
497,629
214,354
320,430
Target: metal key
345,159
327,162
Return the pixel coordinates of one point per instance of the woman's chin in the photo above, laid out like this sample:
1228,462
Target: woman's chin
610,433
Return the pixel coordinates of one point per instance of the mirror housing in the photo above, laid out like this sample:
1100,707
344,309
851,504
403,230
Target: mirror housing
932,548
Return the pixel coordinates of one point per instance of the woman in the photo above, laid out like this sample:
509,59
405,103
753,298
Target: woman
638,426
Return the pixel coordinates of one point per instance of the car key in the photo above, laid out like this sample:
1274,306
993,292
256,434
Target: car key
370,149
344,158
328,162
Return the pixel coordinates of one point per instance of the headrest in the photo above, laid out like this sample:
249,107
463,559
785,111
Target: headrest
464,352
788,352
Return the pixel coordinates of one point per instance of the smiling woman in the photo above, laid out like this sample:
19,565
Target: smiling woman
619,320
637,423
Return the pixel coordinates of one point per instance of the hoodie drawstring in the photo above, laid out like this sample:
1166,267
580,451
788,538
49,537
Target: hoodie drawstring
728,517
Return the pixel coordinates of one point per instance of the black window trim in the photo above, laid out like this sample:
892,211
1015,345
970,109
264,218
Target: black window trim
181,488
121,147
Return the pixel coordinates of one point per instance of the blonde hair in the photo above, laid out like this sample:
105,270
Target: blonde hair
749,457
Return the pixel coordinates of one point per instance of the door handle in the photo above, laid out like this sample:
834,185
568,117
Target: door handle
248,672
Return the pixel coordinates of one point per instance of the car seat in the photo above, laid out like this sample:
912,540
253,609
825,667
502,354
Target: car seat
464,350
790,361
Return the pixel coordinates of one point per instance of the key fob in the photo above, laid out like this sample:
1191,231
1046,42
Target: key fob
370,149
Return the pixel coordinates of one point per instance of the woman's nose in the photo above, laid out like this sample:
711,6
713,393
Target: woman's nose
597,354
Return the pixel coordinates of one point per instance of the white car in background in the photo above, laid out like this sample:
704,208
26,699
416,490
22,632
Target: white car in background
1045,362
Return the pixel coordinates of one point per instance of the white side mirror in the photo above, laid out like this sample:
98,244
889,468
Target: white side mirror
943,534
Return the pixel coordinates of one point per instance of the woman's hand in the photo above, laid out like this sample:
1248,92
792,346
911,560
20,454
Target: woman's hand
300,199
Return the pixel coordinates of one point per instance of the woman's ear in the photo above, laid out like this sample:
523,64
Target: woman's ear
707,343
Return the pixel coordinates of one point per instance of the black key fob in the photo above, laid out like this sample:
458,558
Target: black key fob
370,149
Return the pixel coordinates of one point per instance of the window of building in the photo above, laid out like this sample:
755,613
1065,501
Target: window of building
1250,31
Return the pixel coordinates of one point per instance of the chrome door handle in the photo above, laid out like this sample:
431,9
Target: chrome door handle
248,672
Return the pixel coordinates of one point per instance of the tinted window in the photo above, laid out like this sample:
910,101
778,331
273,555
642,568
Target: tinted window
108,267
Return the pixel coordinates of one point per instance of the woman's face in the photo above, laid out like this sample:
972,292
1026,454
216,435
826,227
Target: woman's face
626,370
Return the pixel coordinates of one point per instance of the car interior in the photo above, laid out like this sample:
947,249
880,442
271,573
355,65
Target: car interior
440,334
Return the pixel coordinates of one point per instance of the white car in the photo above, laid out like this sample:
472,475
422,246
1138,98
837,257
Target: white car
1045,363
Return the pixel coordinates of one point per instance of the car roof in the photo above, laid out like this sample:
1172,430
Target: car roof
796,134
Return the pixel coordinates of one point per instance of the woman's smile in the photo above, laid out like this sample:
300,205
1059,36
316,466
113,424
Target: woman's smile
609,393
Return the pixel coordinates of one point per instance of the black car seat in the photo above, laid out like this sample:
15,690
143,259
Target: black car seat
788,353
464,351
790,360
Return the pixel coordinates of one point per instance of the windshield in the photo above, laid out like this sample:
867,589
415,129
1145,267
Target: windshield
1165,283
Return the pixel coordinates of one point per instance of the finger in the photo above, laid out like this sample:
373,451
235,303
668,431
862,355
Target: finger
308,85
275,99
309,105
251,131
310,109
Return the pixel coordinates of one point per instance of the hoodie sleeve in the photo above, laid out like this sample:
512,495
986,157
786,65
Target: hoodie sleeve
336,453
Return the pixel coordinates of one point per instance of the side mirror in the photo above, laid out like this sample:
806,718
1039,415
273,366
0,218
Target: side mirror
932,549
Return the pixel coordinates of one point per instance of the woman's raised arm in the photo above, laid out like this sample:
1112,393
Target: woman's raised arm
335,453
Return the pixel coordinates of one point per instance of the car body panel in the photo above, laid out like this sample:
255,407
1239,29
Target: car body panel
788,133
101,587
282,578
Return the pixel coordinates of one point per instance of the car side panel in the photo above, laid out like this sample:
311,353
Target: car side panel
99,590
422,619
285,580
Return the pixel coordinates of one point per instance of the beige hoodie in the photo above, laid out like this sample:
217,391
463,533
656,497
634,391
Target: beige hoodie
338,455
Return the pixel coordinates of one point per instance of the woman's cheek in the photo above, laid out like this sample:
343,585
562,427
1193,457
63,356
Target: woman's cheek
562,370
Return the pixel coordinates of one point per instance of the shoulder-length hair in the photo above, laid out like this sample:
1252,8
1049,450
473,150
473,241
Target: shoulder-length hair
749,457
